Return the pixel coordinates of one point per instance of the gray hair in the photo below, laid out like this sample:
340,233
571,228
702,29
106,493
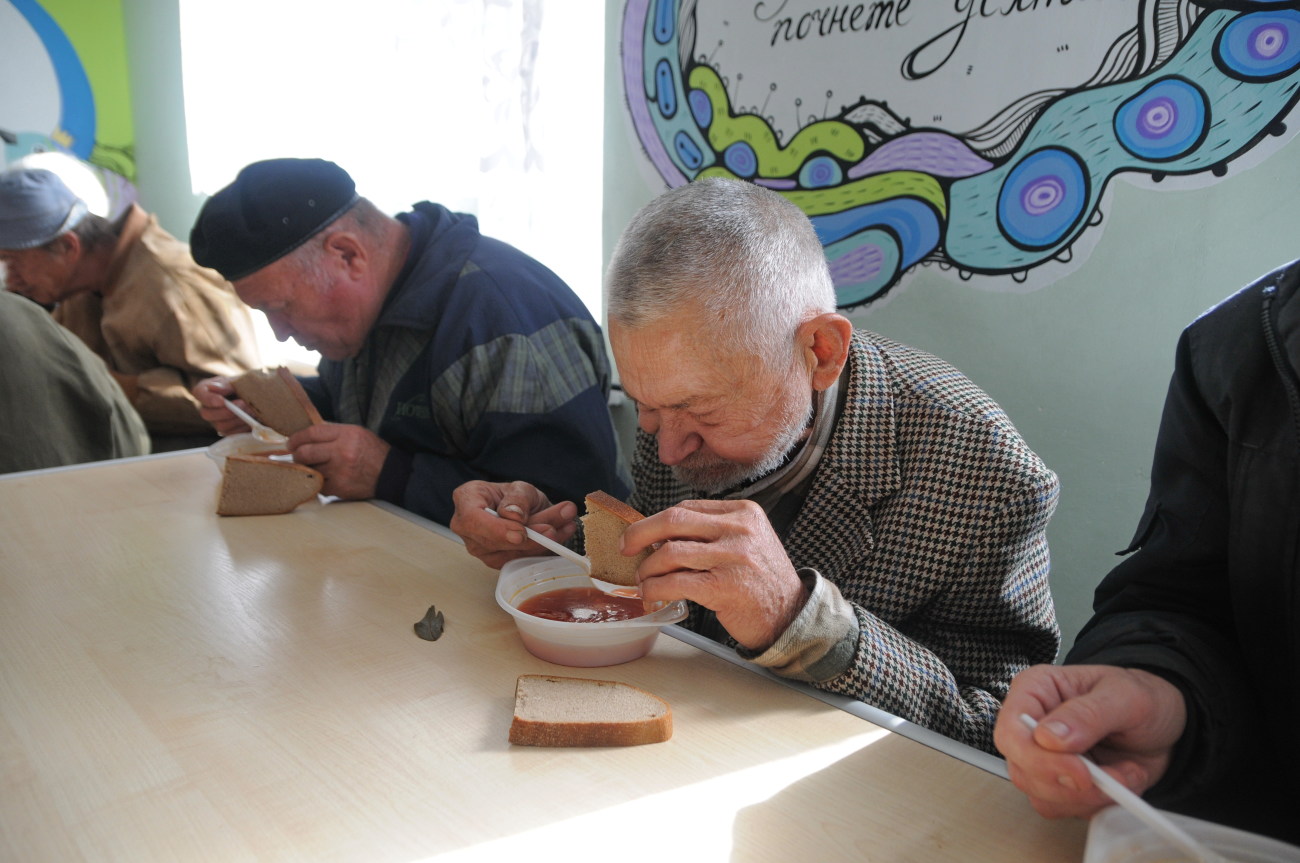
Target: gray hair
363,218
744,258
95,232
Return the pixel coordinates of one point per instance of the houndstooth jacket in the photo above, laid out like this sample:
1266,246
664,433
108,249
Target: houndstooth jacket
928,513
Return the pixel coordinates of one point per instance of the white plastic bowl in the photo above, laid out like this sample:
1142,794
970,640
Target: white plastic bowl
1117,836
581,645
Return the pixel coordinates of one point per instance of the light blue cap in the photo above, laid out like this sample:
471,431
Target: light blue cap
36,207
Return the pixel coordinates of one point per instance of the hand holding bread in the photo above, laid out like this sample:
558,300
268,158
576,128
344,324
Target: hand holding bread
350,457
725,556
273,396
602,529
255,483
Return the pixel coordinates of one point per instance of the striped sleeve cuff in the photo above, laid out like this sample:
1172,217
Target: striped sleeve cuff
819,644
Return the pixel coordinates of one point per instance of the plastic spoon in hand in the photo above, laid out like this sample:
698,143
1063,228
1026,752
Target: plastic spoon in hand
1143,810
563,551
571,555
260,431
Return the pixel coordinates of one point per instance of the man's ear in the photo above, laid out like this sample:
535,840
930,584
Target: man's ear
67,245
347,247
825,344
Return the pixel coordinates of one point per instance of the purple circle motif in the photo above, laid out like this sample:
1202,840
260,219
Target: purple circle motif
1267,42
1260,46
1042,195
1164,121
820,172
740,159
1158,117
1042,198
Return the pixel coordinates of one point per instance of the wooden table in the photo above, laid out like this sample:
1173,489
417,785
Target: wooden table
177,686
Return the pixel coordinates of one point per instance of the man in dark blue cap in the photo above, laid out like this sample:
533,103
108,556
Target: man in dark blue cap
132,293
447,356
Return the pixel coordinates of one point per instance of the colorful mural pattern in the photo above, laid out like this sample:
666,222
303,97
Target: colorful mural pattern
90,124
988,206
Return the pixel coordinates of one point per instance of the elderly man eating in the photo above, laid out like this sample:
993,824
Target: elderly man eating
447,355
840,508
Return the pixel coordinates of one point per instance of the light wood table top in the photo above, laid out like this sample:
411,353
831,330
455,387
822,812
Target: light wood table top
177,686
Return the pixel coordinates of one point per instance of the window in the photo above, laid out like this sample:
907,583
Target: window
491,107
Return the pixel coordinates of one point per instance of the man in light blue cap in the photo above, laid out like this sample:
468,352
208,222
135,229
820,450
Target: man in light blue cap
38,207
132,293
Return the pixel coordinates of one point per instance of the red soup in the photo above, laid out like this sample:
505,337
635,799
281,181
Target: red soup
582,605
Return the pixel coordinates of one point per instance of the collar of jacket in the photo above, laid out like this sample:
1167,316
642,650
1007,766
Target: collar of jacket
860,466
441,245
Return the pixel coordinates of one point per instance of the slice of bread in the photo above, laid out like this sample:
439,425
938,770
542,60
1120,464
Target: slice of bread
576,711
260,485
276,398
602,528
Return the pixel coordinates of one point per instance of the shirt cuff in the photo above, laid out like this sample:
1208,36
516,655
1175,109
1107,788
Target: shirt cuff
819,644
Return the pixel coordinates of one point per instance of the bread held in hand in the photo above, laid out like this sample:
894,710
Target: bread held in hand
602,528
275,397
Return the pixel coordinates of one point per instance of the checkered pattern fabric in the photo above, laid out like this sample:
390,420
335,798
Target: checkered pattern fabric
928,512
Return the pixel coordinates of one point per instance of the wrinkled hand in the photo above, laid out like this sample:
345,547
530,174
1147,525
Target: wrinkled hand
496,541
1126,719
724,555
212,394
349,457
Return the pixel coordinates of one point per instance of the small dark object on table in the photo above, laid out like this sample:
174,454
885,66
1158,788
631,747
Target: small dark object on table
430,626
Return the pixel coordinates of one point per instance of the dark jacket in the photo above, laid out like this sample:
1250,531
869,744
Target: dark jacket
483,365
1209,598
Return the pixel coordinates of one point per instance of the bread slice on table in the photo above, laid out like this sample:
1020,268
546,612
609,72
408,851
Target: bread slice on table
260,485
275,397
602,528
576,711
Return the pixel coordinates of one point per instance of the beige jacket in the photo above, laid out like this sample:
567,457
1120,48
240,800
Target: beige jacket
165,319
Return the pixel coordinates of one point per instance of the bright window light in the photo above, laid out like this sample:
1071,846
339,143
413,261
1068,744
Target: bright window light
487,108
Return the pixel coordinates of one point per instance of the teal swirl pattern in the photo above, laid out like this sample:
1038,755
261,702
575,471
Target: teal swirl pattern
929,196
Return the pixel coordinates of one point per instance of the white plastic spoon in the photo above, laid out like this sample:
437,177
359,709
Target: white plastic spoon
1143,810
563,551
571,555
260,431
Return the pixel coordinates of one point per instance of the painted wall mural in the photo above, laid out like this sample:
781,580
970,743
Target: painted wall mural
979,137
63,96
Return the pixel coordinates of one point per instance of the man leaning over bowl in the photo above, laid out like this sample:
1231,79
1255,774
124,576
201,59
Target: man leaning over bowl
840,508
446,355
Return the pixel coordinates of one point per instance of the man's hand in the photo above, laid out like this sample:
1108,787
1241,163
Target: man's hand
724,555
349,457
1126,719
212,394
498,540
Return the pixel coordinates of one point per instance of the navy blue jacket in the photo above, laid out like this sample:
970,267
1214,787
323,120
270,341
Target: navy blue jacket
484,365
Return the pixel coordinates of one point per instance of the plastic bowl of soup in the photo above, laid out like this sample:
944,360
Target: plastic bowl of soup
577,630
1115,835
